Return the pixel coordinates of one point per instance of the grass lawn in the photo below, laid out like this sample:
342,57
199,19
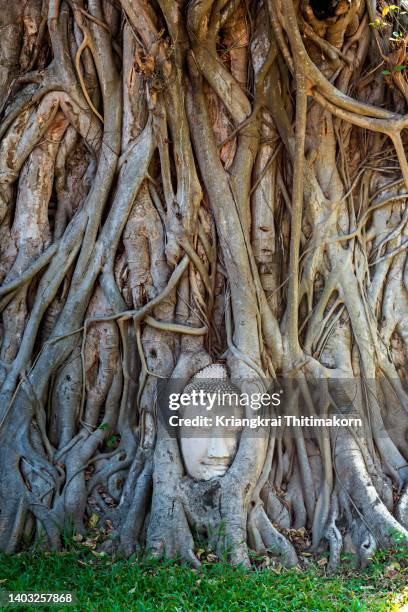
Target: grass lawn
102,584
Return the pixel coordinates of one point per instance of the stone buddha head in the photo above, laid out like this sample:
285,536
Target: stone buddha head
208,449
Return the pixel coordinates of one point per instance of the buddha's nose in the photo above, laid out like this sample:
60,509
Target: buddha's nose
218,449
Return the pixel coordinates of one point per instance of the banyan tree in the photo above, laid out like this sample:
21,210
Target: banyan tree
200,189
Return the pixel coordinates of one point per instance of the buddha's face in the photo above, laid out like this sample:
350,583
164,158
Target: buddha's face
209,450
210,456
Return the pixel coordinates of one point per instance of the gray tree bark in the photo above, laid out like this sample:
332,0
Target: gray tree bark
189,183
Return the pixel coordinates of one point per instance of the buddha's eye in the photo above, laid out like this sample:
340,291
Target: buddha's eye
233,430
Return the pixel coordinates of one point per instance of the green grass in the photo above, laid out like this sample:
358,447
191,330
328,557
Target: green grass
103,584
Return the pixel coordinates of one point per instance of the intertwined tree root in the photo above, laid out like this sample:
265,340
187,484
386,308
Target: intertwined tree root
190,182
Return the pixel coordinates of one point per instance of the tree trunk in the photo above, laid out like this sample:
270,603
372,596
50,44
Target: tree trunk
214,188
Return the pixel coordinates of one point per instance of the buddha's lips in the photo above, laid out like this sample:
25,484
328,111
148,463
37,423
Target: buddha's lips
216,465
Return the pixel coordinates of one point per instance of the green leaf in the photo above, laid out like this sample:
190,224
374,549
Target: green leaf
388,8
385,72
399,68
103,426
111,441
